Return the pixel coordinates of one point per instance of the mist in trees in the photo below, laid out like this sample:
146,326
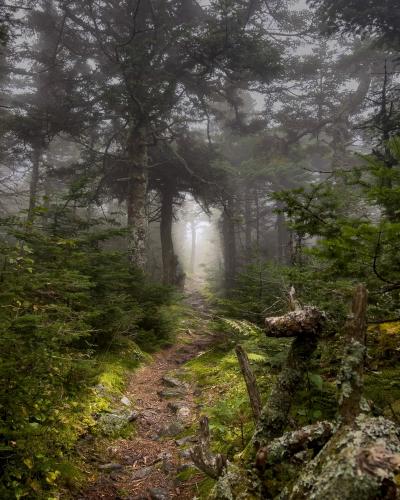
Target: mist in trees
150,147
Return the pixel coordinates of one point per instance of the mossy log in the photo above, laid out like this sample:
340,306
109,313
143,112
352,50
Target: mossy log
359,462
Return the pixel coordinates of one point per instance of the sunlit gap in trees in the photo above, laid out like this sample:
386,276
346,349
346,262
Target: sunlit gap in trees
196,239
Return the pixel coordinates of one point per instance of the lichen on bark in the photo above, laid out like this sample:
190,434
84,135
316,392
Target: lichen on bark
358,463
274,415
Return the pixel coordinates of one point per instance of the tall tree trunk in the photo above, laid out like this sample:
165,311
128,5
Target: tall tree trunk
193,230
167,246
34,182
257,221
136,198
283,239
247,223
229,244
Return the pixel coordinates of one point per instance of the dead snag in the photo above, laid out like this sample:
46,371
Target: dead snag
251,382
362,459
350,378
203,458
306,325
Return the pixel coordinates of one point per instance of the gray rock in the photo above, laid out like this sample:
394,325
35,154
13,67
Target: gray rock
172,393
170,381
159,494
111,467
101,389
185,454
176,405
110,424
142,473
183,413
171,429
185,440
125,401
134,415
184,467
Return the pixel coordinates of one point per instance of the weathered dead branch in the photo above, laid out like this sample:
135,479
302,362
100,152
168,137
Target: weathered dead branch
251,382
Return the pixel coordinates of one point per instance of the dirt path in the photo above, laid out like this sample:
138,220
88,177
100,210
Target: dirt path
145,466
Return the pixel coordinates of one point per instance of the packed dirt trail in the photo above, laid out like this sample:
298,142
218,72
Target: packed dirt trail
146,465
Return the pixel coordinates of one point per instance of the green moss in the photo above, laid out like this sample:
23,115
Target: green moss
204,488
186,474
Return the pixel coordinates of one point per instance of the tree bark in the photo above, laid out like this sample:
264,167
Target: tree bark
358,463
251,382
306,325
136,199
313,436
306,321
34,182
350,379
283,239
247,223
275,413
229,247
169,259
193,232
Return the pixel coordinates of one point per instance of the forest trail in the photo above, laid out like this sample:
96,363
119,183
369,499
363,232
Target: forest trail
145,465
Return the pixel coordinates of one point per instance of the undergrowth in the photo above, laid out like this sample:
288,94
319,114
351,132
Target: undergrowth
74,319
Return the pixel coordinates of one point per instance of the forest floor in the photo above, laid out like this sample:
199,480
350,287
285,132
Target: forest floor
151,462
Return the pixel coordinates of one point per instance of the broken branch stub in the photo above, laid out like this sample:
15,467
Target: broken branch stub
209,463
306,321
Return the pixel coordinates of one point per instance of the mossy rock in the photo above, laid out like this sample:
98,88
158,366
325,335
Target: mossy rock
113,424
